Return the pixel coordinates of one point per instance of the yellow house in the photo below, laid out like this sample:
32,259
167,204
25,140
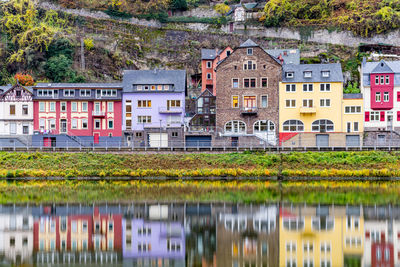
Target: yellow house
311,107
310,236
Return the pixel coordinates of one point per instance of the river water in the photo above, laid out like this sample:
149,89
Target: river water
199,234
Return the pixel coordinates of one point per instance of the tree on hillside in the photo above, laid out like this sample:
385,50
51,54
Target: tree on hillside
24,79
222,8
21,22
178,5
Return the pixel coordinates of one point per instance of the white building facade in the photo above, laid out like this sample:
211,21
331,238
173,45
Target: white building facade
16,112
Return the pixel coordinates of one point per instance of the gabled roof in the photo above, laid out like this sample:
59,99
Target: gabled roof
208,53
177,78
249,43
205,92
382,67
17,85
77,85
335,73
289,56
371,67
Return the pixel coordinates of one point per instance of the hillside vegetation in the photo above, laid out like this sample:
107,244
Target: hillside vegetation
362,17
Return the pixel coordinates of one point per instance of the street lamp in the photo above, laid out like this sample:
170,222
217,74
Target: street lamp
160,135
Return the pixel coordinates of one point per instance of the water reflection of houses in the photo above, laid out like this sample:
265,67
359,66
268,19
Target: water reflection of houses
247,236
77,235
16,234
382,236
320,236
153,235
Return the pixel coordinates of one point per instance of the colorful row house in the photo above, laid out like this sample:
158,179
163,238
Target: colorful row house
313,109
154,107
75,235
68,114
323,236
247,95
380,84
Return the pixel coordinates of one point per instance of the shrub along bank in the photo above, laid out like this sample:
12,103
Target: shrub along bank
252,165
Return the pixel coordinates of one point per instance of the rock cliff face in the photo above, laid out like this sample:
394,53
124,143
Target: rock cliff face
141,44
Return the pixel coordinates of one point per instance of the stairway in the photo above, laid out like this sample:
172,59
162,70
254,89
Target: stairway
268,137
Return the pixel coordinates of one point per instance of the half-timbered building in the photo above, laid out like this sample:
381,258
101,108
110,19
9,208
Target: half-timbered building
16,111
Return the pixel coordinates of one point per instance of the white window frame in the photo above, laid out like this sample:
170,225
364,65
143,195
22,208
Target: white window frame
249,51
108,124
261,101
87,123
261,80
209,64
325,87
308,101
308,87
85,109
209,76
94,124
373,115
233,82
63,104
72,106
238,101
74,123
386,96
325,102
52,106
291,87
110,107
291,102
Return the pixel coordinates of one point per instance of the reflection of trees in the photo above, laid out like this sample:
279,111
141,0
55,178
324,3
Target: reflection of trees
201,241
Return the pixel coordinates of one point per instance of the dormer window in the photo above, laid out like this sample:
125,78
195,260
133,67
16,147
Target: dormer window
289,74
228,53
69,92
18,93
249,51
138,87
326,73
146,87
307,74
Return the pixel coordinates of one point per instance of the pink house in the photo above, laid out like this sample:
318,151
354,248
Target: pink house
63,111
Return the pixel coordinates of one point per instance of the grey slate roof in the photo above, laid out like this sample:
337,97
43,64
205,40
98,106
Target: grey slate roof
382,67
208,53
149,77
372,67
77,85
335,70
352,96
249,43
290,56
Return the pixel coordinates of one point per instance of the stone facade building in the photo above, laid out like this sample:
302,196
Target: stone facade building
247,95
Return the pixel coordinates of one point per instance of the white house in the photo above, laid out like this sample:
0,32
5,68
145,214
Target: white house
16,111
16,237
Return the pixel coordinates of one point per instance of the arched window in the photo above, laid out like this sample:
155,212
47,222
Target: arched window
293,126
322,126
264,126
235,127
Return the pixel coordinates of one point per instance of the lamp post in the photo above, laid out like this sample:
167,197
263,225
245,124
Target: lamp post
160,136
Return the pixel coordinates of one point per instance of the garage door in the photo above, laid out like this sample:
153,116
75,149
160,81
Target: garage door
322,140
158,140
195,141
352,140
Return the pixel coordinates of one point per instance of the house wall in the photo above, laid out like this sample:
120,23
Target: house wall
294,113
114,115
205,70
226,72
353,117
158,101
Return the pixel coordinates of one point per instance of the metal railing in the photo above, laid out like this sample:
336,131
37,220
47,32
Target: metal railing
212,141
170,109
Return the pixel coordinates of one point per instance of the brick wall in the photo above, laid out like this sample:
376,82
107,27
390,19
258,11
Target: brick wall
232,67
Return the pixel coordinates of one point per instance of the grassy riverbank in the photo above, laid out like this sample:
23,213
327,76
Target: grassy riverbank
310,164
324,192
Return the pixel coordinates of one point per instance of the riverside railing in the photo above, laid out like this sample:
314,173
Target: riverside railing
221,144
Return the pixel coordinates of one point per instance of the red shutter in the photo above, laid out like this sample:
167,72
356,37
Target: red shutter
367,234
367,116
398,115
398,96
382,115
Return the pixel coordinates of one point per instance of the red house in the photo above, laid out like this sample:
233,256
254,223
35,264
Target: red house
68,112
73,231
209,61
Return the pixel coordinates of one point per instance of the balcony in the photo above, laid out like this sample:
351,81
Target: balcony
308,110
249,111
170,110
98,113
